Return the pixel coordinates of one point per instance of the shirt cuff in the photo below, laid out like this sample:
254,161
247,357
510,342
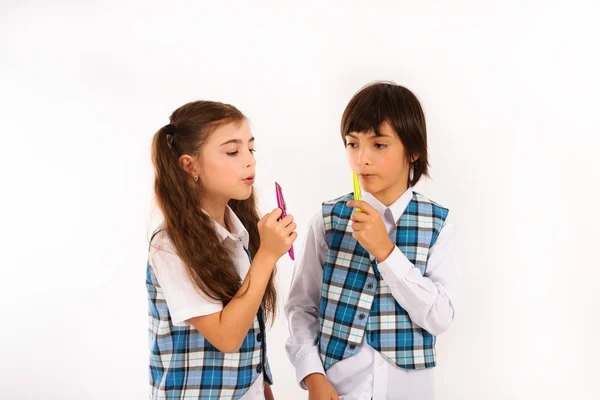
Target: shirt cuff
395,267
306,363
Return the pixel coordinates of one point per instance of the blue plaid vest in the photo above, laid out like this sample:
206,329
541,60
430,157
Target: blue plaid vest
356,301
184,365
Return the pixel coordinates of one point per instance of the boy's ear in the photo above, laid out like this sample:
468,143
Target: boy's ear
186,162
414,157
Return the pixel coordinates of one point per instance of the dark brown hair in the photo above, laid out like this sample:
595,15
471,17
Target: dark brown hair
381,102
208,262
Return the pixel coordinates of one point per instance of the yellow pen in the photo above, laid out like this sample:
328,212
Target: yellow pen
357,195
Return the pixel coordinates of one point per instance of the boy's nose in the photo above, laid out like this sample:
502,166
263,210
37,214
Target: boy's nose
363,158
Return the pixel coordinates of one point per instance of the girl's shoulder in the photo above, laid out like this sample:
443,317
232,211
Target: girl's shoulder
160,241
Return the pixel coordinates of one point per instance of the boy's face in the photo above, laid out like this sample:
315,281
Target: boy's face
380,162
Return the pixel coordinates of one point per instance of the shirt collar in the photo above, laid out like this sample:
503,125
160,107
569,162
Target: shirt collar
238,231
396,209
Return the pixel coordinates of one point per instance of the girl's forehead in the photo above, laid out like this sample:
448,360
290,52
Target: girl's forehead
231,131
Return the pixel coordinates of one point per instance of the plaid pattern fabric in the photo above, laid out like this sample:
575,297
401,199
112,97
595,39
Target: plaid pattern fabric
355,299
184,365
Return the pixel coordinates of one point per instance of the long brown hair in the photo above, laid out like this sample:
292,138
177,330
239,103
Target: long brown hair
191,231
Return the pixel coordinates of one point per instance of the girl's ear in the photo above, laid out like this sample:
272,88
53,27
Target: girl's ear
186,162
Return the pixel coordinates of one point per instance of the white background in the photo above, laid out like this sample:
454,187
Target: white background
510,90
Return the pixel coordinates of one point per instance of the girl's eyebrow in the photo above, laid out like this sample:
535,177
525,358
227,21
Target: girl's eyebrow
237,141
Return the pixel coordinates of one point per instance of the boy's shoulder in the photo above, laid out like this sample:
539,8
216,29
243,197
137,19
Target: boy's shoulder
342,199
438,209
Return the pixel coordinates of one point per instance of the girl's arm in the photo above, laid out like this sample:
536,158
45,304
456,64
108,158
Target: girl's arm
227,329
268,392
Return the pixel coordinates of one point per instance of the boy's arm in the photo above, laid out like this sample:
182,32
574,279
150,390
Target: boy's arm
430,299
302,306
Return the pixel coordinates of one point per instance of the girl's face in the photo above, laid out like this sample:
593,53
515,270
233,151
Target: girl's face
380,163
226,163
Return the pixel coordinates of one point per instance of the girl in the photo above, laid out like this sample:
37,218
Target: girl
210,274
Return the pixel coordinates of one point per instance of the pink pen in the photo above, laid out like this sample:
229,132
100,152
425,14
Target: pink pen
281,205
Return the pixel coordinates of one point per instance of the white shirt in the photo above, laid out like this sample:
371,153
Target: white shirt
429,301
183,298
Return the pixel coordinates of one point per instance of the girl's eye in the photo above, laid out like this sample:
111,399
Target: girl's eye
380,145
233,153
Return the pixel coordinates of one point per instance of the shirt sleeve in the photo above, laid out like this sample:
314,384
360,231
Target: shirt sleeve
302,306
429,299
184,299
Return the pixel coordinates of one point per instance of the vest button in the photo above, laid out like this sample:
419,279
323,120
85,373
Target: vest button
361,316
259,368
352,347
259,337
370,286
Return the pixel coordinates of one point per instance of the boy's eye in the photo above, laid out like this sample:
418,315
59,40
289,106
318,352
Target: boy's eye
252,151
350,144
381,145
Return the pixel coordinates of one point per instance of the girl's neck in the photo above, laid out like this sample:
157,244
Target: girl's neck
216,210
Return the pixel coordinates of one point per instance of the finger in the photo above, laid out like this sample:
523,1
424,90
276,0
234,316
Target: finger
274,215
290,228
287,220
363,205
359,217
291,239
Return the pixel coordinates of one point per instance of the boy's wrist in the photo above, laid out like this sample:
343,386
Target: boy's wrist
313,379
382,256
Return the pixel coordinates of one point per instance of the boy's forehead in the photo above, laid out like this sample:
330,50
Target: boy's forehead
385,129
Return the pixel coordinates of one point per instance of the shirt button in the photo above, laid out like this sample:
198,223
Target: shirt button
259,337
259,368
361,316
352,347
370,286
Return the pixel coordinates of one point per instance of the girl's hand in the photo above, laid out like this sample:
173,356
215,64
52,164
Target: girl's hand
276,237
268,392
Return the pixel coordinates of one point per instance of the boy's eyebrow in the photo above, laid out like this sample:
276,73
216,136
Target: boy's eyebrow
352,135
237,141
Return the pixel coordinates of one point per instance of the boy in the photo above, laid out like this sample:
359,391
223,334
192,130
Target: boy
374,286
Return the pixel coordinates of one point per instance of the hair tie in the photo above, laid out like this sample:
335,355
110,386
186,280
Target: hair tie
171,129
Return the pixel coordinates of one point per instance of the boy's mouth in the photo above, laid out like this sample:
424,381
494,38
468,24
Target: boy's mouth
366,176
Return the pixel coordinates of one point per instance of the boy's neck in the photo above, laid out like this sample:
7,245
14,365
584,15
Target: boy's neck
388,196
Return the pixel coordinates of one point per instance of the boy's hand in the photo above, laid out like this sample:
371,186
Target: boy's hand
319,388
370,231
